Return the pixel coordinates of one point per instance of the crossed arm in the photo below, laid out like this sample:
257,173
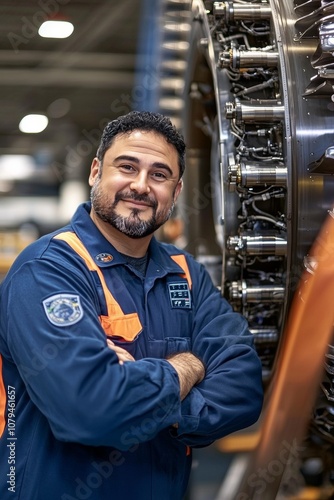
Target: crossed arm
189,368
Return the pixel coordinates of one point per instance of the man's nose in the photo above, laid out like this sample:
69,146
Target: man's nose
140,183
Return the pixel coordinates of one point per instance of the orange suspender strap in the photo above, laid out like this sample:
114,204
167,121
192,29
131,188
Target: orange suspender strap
182,262
126,326
3,399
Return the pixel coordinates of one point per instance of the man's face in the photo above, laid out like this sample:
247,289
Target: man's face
139,183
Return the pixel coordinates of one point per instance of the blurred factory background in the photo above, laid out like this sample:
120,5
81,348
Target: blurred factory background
78,83
250,85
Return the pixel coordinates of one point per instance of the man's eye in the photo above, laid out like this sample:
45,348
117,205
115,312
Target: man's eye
127,168
159,176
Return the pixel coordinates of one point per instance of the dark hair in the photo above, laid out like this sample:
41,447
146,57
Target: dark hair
143,120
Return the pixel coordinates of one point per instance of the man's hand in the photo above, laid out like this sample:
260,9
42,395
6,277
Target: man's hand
190,370
122,354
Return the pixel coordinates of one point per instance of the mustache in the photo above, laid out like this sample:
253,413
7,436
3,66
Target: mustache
121,195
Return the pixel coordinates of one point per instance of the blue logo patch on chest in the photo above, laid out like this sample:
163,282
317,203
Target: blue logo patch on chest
179,295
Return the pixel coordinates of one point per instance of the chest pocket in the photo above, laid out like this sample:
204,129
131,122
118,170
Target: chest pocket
116,323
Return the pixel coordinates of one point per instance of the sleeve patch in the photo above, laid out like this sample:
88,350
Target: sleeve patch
63,309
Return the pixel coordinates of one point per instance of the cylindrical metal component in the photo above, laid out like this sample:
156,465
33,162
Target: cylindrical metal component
236,59
230,110
241,291
181,29
252,113
172,84
171,103
230,11
234,178
257,245
178,48
249,175
174,66
235,291
265,335
219,9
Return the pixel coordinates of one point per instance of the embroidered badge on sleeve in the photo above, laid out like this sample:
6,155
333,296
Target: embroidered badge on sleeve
63,309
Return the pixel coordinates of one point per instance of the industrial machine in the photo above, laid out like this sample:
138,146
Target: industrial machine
251,86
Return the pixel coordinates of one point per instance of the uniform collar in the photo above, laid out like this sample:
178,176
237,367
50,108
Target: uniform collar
105,254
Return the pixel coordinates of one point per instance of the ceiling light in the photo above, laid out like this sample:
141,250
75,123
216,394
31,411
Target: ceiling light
56,29
59,108
33,124
15,167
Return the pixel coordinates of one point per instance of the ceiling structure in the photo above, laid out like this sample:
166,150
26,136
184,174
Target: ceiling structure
80,83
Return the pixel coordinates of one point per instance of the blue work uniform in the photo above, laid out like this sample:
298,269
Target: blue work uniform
76,424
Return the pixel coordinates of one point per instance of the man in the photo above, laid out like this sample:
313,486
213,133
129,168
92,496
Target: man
118,354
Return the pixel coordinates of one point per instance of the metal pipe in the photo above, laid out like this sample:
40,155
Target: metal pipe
252,113
241,291
257,245
230,11
236,59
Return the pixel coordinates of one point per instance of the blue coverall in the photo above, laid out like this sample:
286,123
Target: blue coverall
74,423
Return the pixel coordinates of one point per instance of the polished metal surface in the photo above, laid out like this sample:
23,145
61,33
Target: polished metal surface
267,144
257,115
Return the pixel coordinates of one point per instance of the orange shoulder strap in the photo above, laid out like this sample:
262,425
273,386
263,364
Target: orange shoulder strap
126,326
182,262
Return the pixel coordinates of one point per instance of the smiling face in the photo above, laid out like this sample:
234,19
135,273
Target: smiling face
135,189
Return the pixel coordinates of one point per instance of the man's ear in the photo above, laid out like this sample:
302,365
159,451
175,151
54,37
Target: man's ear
94,171
178,189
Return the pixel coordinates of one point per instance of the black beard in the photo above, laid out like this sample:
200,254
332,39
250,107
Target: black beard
132,225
